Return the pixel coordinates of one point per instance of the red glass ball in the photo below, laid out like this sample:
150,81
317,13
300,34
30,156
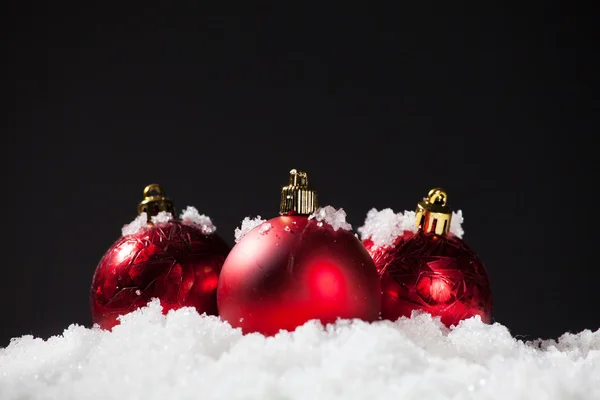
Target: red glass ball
172,261
438,274
299,269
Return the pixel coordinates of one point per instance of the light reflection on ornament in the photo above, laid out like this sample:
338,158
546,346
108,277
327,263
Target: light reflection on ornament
328,281
124,251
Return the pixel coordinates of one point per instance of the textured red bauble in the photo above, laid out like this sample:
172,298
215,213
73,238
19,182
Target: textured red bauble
292,269
432,272
173,261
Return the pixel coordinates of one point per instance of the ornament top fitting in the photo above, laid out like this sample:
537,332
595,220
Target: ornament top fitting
297,198
433,215
155,201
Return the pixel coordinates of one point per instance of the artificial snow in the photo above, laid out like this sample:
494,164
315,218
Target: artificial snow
184,355
331,216
161,217
383,227
264,228
191,216
247,225
139,223
456,224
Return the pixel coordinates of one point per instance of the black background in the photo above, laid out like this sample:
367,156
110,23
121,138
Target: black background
378,106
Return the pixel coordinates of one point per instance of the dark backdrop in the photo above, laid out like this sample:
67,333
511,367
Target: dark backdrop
494,105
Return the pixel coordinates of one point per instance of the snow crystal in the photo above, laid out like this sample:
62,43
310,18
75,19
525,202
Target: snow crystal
383,227
184,355
335,218
287,228
139,223
247,225
456,224
191,216
162,216
264,228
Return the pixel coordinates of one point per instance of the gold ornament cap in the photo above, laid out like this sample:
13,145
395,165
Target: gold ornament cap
297,198
433,215
155,201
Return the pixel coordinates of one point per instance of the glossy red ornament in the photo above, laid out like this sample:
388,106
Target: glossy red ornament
173,261
435,273
292,269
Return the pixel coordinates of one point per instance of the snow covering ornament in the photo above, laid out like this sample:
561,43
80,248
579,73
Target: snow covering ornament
305,264
425,265
177,261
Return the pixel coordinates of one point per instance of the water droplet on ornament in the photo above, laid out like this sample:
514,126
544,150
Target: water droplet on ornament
138,292
319,224
241,319
287,228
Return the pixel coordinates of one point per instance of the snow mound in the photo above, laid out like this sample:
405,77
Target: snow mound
383,227
184,355
247,225
331,216
191,216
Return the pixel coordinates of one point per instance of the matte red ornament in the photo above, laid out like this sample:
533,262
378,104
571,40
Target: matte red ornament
432,272
173,261
292,269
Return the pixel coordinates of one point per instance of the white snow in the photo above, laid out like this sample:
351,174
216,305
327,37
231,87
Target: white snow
191,216
383,227
264,228
331,216
162,216
184,355
456,224
247,225
139,223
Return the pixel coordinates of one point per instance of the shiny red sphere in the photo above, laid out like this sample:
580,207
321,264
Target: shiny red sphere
437,274
172,261
295,271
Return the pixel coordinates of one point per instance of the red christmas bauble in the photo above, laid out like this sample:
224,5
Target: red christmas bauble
173,261
292,269
432,270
